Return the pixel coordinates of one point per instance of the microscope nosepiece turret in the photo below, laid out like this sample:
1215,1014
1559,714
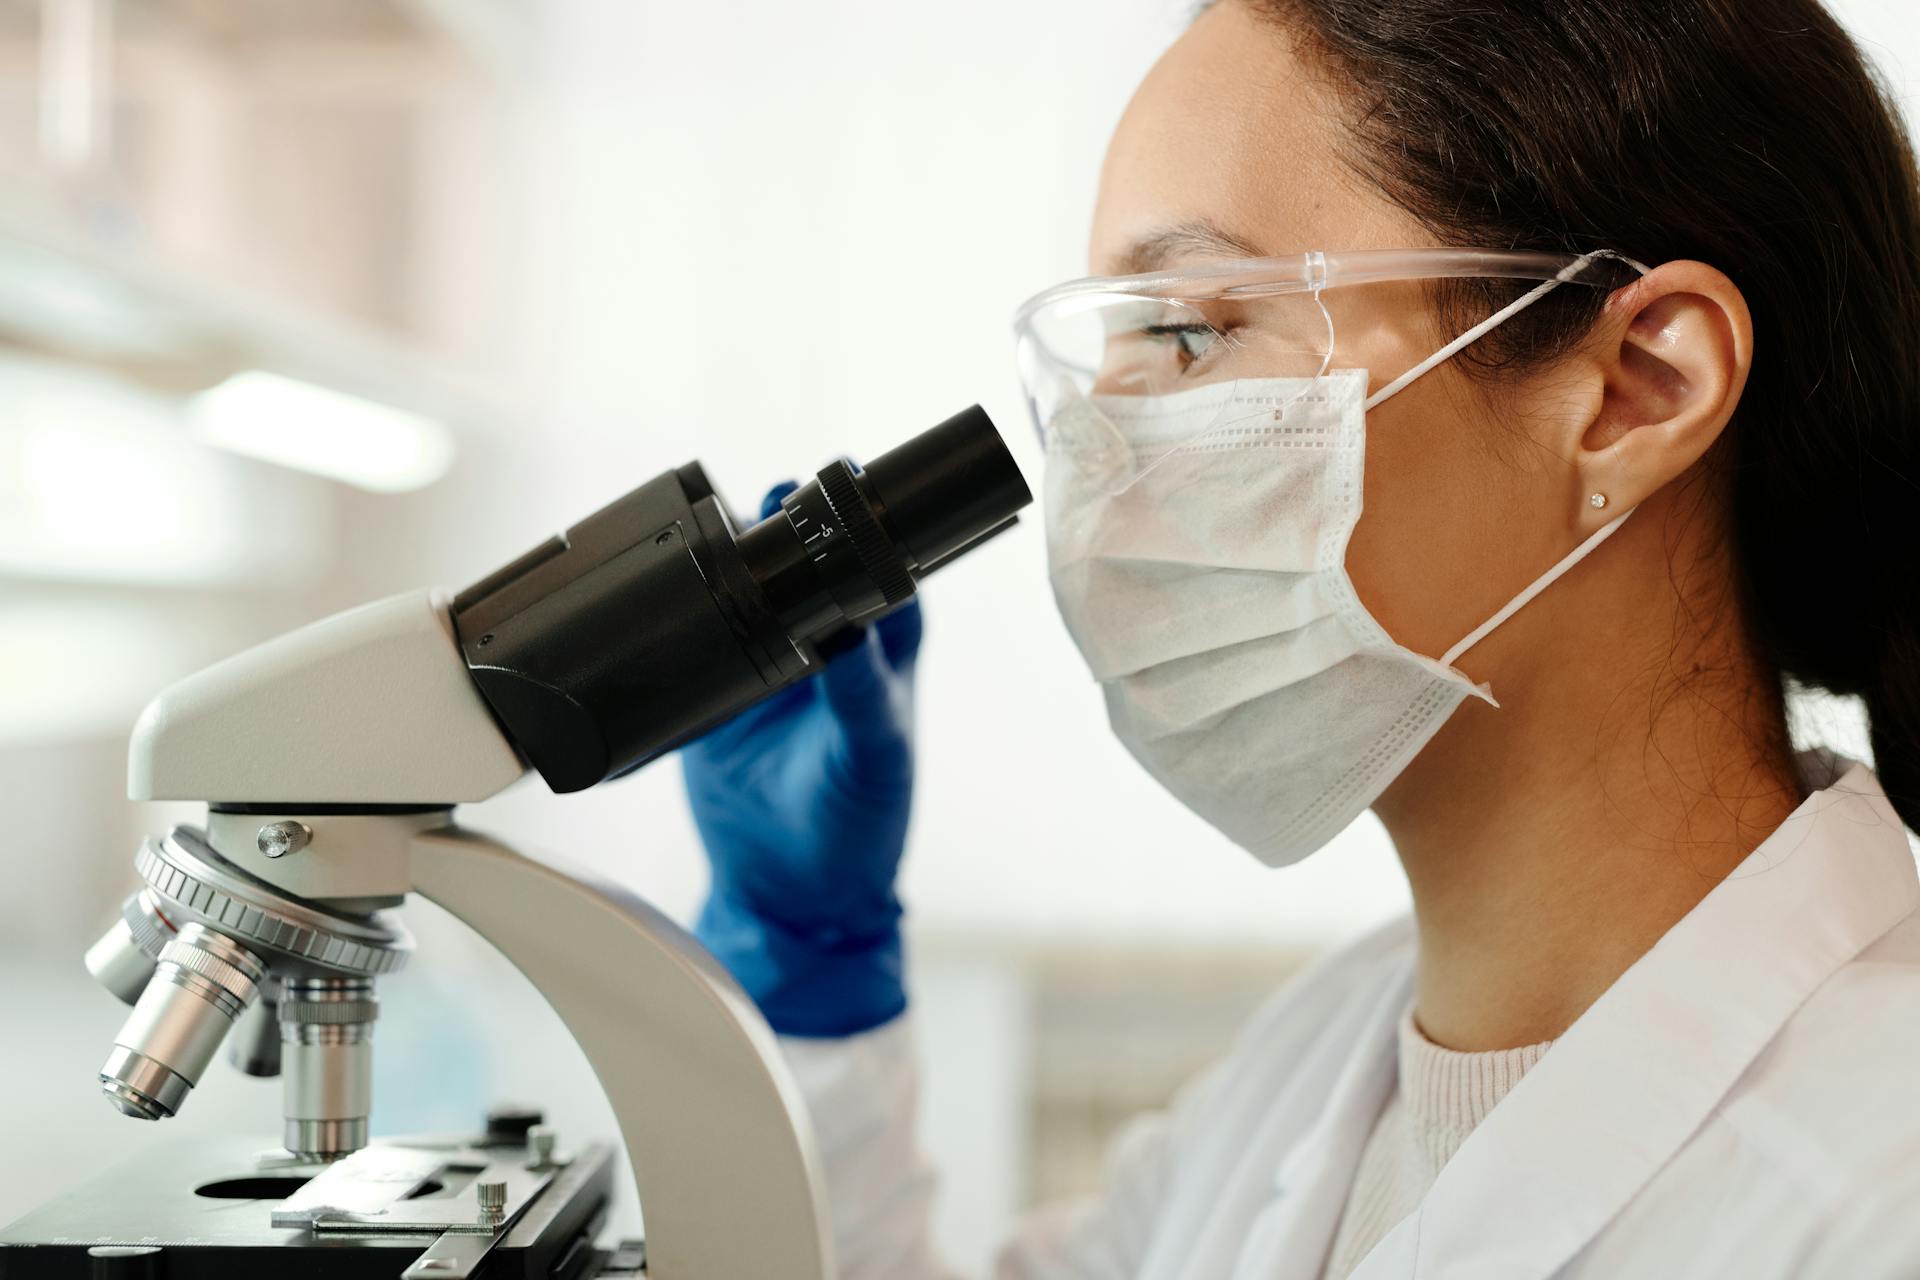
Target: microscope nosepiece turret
297,976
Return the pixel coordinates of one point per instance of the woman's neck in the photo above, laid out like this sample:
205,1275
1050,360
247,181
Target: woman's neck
1552,841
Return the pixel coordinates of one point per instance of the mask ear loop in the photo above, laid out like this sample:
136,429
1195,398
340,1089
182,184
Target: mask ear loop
1540,584
1452,349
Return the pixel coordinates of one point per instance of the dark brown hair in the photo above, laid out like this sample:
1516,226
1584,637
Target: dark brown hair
1748,134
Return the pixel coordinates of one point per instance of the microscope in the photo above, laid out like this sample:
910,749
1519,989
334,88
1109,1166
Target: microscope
331,760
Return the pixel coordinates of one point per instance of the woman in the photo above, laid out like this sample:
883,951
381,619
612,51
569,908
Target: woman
1607,310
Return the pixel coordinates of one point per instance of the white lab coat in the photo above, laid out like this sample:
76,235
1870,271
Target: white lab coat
1743,1102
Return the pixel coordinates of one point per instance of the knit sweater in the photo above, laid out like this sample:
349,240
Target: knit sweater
1440,1098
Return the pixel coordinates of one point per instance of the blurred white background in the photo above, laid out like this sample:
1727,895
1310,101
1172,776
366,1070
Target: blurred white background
583,240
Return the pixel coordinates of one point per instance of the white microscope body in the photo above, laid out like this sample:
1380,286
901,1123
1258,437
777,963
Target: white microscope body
374,708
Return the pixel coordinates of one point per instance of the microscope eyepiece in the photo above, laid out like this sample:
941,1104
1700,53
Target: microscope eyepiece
851,543
653,620
948,488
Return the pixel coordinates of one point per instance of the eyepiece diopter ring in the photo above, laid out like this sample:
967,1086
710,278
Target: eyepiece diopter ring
870,542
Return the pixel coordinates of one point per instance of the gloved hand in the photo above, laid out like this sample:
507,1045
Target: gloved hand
802,803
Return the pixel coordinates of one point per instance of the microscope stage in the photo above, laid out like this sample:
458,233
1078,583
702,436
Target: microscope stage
208,1207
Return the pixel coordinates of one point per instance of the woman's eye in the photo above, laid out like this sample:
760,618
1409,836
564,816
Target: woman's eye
1190,341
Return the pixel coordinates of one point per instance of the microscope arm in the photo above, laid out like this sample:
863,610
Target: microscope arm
718,1139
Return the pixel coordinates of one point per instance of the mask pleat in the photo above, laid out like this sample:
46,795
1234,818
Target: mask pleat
1180,694
1175,610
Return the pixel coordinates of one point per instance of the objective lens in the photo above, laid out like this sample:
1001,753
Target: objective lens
326,1059
254,1047
123,960
202,984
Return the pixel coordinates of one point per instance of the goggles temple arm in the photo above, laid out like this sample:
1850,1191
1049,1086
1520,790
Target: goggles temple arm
1481,330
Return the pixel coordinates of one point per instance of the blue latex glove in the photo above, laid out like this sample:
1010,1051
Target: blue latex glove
802,802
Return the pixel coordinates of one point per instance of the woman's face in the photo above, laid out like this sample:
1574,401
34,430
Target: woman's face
1234,146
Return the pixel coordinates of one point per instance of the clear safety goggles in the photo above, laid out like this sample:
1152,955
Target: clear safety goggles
1088,347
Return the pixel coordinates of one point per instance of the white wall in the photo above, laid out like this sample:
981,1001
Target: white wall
1889,30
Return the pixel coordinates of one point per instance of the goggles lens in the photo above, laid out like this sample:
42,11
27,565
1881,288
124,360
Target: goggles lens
1082,359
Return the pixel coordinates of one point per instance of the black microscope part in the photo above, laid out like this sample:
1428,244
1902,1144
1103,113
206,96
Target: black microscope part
944,489
653,620
200,1209
511,1122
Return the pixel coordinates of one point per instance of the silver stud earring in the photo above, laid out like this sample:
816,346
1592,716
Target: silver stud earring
1598,502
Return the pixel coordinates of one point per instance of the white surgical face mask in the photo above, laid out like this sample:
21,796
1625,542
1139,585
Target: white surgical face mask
1211,599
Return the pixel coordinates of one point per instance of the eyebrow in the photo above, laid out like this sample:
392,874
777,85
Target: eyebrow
1188,239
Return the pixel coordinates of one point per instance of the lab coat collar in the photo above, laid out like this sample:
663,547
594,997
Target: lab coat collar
1311,1184
1637,1074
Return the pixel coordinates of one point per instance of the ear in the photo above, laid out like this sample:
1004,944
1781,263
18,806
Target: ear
1672,353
